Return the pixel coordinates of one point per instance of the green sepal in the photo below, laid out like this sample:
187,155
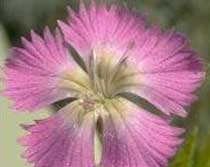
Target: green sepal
186,155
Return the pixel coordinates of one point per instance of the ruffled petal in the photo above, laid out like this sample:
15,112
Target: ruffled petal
62,140
136,138
97,26
170,70
32,72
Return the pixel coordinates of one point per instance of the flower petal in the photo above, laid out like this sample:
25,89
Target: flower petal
170,70
32,72
138,138
61,140
99,26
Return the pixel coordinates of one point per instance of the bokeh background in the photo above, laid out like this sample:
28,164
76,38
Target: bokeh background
191,17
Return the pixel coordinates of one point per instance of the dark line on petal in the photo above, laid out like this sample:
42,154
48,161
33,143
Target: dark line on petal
140,102
78,59
61,104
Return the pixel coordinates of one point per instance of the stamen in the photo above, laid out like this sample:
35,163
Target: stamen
118,68
104,69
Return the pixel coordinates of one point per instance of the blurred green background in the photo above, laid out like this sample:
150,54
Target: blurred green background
192,17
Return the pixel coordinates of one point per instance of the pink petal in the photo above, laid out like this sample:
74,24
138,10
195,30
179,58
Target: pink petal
61,141
138,138
171,71
96,26
32,72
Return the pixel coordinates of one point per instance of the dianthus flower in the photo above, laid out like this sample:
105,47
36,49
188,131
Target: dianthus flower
118,55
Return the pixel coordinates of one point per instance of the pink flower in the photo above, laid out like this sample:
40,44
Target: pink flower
122,57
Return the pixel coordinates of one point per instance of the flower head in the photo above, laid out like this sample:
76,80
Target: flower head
118,55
